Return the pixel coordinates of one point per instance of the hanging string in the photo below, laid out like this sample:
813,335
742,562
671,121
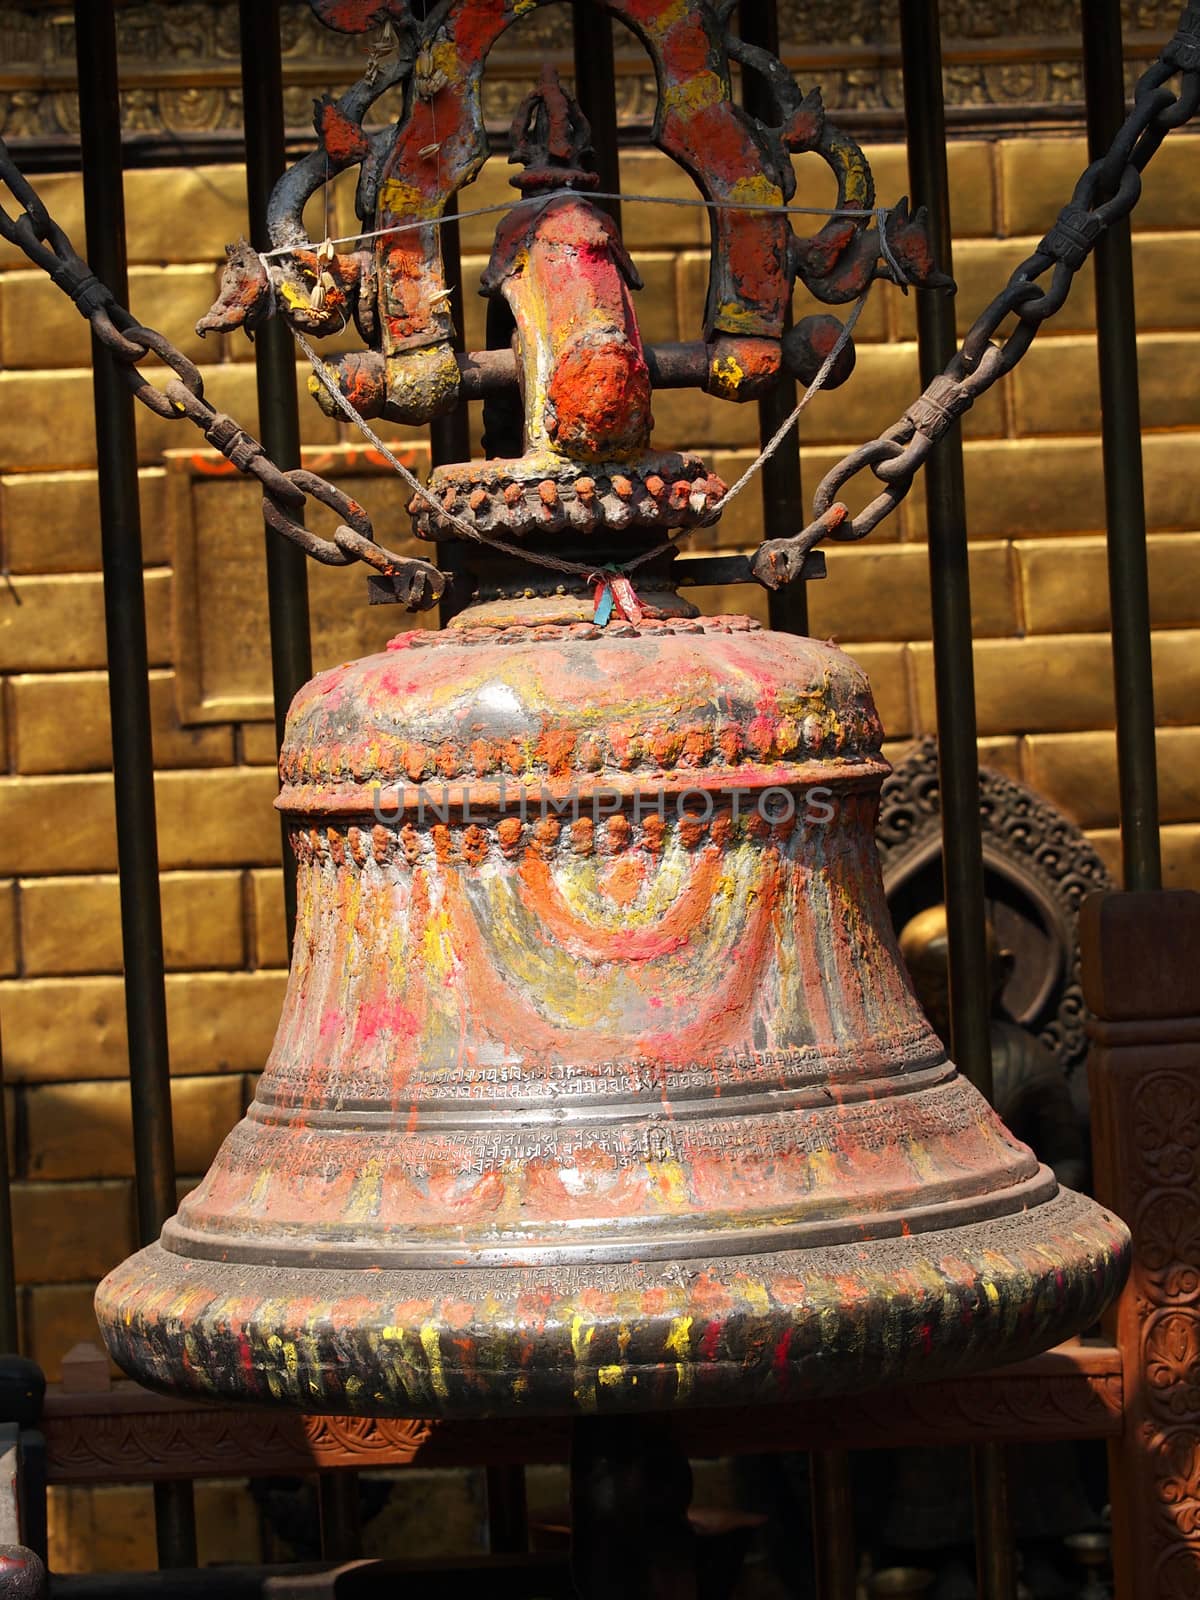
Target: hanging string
555,563
459,524
786,426
881,213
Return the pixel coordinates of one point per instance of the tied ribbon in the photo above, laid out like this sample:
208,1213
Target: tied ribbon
614,594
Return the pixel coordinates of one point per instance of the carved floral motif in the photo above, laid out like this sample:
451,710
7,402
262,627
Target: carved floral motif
1161,1184
1053,1397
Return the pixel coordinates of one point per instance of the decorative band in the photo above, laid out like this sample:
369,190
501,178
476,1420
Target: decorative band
451,839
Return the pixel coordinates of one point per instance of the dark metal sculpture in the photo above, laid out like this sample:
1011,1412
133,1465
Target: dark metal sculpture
394,284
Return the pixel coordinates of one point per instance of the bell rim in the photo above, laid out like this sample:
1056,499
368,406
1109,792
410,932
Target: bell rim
790,1326
682,1245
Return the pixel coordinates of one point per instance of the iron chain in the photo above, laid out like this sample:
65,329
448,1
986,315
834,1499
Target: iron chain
419,585
1106,192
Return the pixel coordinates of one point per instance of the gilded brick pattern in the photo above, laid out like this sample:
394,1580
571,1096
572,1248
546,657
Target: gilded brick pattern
1039,599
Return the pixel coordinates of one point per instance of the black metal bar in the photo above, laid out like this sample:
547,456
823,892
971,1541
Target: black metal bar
450,436
507,1510
954,679
995,1553
1124,499
338,1507
950,584
22,1396
834,1555
10,1329
287,568
33,1492
275,370
596,91
631,1486
128,691
782,490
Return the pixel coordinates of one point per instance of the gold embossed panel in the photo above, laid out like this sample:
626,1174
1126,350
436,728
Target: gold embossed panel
222,636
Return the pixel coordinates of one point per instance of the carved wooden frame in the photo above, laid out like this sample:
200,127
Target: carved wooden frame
127,1434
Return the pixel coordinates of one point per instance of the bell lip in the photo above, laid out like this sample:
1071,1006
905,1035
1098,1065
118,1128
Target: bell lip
371,796
668,1243
754,1330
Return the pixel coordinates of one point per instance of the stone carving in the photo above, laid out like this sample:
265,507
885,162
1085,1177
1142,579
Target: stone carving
1027,844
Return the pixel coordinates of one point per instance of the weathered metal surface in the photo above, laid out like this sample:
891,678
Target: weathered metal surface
22,1574
598,1085
625,1105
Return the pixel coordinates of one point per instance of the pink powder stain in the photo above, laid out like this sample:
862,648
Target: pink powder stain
332,1023
383,1016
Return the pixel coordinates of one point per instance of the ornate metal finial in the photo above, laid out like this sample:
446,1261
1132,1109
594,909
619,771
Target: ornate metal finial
393,284
551,139
394,287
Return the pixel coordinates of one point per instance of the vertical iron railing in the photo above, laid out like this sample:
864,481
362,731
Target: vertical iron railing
596,92
287,566
949,575
275,372
835,1551
782,490
129,692
1124,491
10,1327
954,684
450,436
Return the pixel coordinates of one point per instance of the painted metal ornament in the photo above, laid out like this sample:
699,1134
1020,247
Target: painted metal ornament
599,1084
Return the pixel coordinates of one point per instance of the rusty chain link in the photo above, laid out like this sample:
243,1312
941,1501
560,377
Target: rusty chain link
418,584
1106,192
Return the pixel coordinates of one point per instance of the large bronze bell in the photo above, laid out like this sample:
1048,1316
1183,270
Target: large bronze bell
627,1106
599,1083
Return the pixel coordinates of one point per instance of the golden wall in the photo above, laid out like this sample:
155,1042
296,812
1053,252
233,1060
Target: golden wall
1040,610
